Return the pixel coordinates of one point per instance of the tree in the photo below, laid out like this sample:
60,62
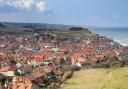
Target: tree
62,61
12,62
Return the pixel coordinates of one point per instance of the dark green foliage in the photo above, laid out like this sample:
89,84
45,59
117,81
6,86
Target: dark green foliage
107,63
98,61
53,86
2,80
124,63
76,68
66,75
17,73
86,64
77,28
62,61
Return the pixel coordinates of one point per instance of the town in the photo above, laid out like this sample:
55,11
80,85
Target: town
40,60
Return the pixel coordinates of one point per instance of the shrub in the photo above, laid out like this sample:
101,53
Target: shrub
17,73
106,65
124,63
66,75
86,64
62,61
100,65
53,86
116,64
75,68
66,68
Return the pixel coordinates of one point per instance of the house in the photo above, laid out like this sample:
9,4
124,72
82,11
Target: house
24,69
21,82
63,50
75,58
38,77
8,70
100,50
98,58
39,57
55,50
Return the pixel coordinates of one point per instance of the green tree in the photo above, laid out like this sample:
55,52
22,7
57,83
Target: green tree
62,61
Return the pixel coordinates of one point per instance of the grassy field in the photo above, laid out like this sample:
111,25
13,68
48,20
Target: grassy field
113,78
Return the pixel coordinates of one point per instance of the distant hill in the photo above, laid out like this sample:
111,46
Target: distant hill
59,30
35,25
2,25
69,33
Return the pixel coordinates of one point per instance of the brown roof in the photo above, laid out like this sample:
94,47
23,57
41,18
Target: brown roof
39,72
46,69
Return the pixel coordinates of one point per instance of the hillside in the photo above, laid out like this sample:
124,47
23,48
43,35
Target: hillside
68,33
2,25
113,78
59,30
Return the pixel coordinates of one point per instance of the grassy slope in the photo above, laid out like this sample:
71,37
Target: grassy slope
59,32
63,33
114,78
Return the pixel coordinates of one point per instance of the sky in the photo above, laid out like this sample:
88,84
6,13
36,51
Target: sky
68,12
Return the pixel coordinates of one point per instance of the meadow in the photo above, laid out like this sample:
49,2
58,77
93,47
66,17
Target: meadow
112,78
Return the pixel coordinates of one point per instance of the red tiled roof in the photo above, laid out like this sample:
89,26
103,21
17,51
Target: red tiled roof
81,59
8,68
63,49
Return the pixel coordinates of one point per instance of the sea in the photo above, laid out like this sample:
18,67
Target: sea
119,35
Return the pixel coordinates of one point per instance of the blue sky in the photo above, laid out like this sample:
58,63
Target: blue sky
70,12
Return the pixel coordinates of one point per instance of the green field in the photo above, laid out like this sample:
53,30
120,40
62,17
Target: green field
113,78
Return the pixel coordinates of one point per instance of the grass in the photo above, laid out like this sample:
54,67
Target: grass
59,32
113,78
68,33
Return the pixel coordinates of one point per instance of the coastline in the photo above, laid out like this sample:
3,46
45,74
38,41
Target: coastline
119,36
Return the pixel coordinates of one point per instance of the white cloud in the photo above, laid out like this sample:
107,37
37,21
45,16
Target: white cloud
24,4
41,6
8,3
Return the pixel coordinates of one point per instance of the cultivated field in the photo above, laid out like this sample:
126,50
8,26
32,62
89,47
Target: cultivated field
113,78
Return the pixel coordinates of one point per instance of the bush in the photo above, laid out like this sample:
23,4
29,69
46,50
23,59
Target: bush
86,64
66,68
124,63
109,62
100,65
116,64
76,68
53,86
17,73
62,62
66,75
